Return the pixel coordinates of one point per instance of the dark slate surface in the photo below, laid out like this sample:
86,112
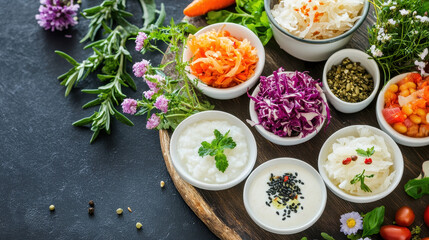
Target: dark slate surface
45,160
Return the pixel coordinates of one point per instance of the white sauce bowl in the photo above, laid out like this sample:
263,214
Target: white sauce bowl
318,204
210,116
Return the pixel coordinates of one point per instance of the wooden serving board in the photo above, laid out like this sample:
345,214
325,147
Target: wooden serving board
223,211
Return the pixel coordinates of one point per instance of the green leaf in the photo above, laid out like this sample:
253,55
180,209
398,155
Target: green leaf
91,91
103,77
373,221
94,135
93,103
221,162
205,149
84,121
67,57
326,236
128,79
122,118
416,188
365,153
148,7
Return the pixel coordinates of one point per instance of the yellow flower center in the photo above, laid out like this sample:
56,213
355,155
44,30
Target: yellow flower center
351,222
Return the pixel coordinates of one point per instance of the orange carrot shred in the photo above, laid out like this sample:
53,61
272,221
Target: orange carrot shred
220,60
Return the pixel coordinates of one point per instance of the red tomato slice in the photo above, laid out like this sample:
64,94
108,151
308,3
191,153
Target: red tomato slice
393,115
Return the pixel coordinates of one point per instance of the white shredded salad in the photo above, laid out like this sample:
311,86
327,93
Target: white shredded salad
381,166
317,19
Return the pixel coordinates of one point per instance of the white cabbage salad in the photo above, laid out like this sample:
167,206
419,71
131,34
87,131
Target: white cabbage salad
381,165
317,19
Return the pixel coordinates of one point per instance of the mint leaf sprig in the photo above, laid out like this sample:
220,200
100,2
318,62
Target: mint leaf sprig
361,178
365,153
216,147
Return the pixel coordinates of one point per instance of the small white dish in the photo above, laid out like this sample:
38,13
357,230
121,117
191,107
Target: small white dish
212,115
284,141
356,56
313,192
311,50
239,32
398,163
399,138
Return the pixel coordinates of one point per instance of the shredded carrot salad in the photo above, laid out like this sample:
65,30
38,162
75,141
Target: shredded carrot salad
220,60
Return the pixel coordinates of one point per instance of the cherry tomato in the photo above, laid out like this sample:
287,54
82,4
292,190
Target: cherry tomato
426,216
404,216
392,232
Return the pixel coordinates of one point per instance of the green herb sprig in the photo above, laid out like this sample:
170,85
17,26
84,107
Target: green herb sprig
249,13
216,147
111,55
365,153
399,36
361,178
372,221
183,98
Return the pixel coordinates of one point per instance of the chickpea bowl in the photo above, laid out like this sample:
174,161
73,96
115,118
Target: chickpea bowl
402,109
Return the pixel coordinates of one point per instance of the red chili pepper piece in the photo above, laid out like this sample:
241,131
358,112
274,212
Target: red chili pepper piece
347,161
286,178
368,160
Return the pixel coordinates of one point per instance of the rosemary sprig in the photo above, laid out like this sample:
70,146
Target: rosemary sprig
110,53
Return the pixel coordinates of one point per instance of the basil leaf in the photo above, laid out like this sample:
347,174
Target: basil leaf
416,188
326,236
372,221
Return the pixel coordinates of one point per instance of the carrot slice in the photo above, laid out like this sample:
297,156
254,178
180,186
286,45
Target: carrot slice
220,60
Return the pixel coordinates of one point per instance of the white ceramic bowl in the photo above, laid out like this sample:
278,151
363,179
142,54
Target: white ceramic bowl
240,33
399,138
319,198
310,50
284,141
398,163
212,115
356,56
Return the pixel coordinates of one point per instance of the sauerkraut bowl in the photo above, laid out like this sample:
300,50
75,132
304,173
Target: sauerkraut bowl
384,170
304,31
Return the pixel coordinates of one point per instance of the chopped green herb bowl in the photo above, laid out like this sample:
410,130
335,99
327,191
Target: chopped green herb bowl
202,170
393,149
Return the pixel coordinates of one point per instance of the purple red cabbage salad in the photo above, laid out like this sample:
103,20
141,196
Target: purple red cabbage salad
290,104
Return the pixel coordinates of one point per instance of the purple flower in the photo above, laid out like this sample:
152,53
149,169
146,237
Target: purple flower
57,14
162,103
140,41
129,106
351,223
153,81
153,121
140,68
148,94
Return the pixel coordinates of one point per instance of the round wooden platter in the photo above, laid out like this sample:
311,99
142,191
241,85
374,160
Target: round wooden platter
223,211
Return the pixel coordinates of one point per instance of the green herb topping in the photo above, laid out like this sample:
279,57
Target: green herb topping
216,147
361,177
368,153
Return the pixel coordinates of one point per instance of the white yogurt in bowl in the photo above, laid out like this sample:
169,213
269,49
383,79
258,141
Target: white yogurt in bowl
204,168
284,196
201,171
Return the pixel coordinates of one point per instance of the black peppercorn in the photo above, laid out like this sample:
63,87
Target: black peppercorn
91,203
91,211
